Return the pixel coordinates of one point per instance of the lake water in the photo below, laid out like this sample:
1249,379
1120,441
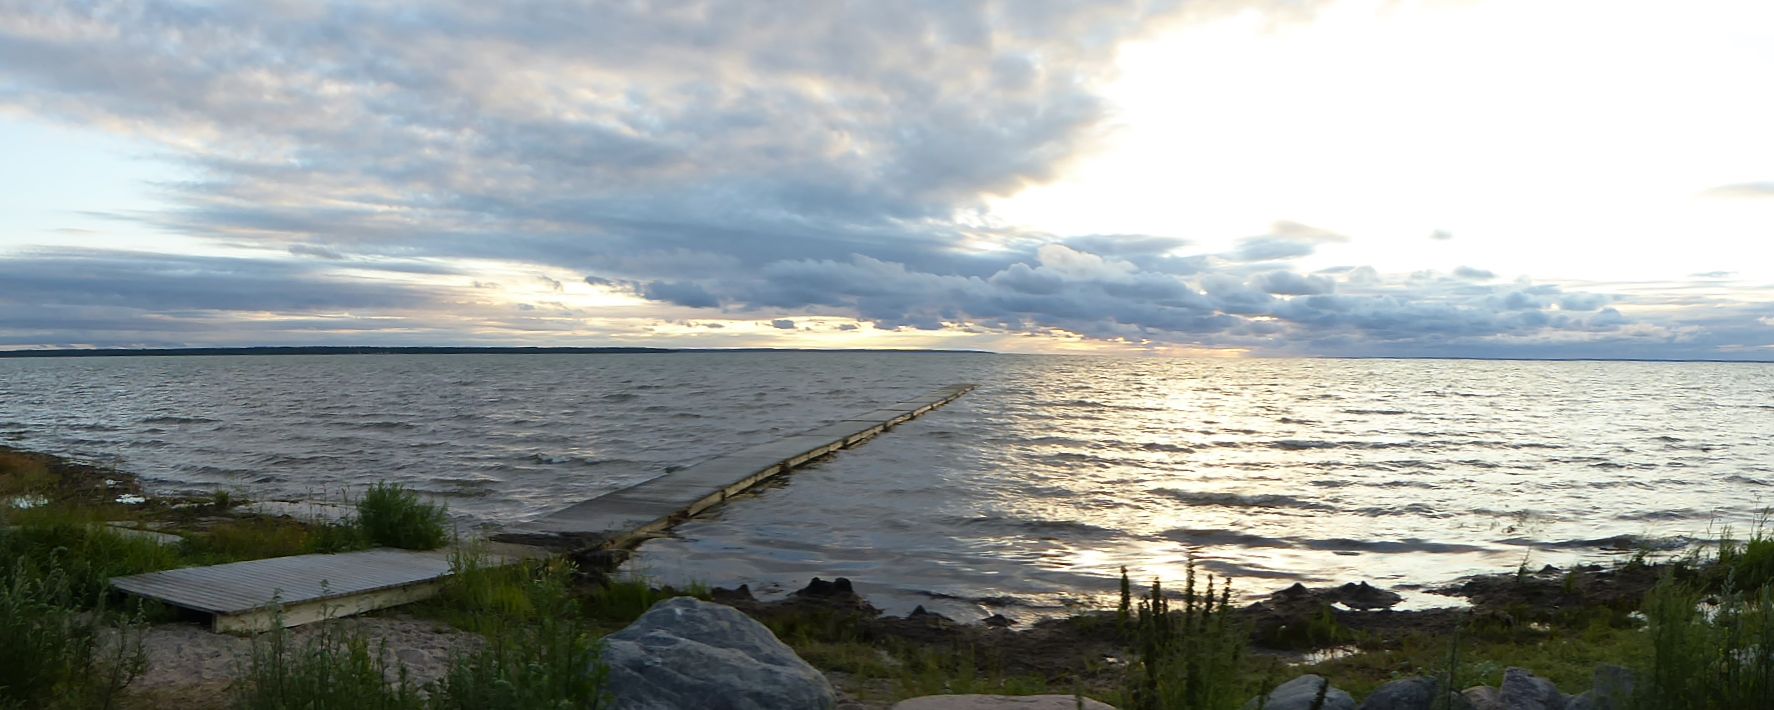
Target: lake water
1024,497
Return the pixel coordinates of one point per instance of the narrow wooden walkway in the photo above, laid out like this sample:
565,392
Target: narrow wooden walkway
259,594
624,517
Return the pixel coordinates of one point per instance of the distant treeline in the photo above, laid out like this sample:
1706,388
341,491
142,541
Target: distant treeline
422,350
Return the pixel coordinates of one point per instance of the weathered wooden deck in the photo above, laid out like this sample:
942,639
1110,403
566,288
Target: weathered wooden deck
258,594
255,595
625,516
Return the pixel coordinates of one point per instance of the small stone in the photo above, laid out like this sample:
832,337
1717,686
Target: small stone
1365,596
1001,702
1612,691
412,656
1483,697
1301,693
1522,690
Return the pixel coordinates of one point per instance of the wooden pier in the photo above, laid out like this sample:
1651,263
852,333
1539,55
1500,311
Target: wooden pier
624,517
257,595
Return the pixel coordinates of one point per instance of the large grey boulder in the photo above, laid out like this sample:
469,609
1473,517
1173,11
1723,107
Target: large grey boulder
1412,694
1522,690
1299,694
685,653
1612,691
1001,702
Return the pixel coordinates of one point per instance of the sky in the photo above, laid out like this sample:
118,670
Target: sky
1467,178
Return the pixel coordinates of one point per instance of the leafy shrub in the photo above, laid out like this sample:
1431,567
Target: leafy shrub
52,656
1707,657
393,516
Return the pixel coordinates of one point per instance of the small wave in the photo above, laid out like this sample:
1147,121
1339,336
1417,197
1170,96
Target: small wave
557,459
1237,500
619,396
383,425
1310,444
1339,544
1044,528
1384,412
1620,543
178,420
1166,448
1418,509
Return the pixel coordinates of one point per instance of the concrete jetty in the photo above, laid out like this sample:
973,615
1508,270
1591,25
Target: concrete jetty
624,517
259,594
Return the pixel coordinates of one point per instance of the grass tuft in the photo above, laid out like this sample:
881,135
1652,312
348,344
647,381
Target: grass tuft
393,516
333,669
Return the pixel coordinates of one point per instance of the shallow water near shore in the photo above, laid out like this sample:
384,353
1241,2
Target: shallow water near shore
1023,497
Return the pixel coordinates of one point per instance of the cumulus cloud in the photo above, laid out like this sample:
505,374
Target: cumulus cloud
1743,190
1467,272
1286,240
782,324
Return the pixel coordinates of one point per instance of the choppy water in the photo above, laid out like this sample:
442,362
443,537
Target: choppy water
1024,496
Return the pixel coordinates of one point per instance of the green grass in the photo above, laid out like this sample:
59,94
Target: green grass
549,662
1708,657
70,544
393,516
333,670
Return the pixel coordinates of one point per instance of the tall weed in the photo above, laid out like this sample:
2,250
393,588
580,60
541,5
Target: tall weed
1185,659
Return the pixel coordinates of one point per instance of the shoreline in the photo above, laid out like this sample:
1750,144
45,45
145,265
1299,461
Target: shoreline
1349,633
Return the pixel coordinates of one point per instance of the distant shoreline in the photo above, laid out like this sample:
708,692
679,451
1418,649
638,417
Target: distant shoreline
638,350
437,350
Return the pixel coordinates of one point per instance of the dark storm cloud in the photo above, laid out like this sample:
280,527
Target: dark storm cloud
79,277
680,293
826,159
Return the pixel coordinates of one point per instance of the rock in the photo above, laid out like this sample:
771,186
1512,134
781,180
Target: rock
1522,690
821,588
1000,702
732,596
836,595
999,620
685,653
1412,694
921,613
1612,691
1483,697
1300,694
1365,596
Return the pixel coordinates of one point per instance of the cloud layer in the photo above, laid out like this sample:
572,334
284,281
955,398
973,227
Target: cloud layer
729,160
